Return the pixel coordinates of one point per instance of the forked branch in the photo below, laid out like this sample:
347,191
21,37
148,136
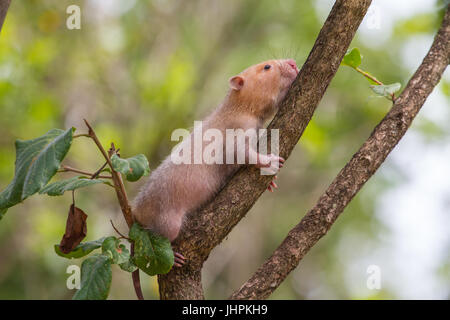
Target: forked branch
116,177
354,175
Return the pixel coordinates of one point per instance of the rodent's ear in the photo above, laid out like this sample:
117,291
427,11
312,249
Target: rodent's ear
236,82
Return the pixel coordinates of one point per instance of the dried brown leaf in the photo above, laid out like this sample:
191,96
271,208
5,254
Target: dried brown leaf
76,229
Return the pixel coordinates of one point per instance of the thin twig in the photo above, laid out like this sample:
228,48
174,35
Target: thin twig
94,137
136,279
372,78
67,168
96,173
81,135
70,169
116,177
118,232
122,197
369,76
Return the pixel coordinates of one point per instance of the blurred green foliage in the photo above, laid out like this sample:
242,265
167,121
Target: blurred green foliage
137,70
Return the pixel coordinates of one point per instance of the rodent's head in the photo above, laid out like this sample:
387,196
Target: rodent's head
261,87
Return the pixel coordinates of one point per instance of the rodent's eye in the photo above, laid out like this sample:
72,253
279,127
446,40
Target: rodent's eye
267,67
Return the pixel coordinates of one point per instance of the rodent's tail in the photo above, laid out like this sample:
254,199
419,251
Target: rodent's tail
136,278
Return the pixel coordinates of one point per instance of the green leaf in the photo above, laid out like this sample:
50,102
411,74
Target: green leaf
119,164
81,250
386,90
128,266
58,188
352,58
133,168
152,253
118,252
37,161
2,213
96,276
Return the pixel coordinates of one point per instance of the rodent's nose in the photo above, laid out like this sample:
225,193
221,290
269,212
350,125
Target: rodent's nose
293,64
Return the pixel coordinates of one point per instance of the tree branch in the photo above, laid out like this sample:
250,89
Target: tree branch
121,196
4,5
206,228
116,177
92,175
352,177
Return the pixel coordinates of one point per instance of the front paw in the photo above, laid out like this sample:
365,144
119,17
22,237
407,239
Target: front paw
270,164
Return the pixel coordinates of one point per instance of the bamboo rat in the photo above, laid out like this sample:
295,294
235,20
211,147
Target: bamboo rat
173,190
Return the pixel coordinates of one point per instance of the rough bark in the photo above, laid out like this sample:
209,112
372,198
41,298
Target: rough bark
352,177
207,227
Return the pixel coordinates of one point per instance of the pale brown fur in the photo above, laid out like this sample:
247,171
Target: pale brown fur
174,190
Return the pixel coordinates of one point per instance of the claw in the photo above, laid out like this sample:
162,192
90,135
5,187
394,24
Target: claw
179,255
272,186
179,259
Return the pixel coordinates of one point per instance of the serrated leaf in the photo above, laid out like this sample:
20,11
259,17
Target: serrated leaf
352,58
96,276
81,250
59,187
37,161
118,252
152,253
133,168
386,90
